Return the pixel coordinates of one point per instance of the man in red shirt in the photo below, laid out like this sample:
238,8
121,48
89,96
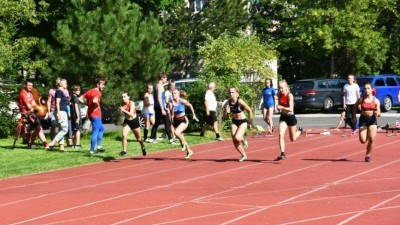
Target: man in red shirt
26,104
93,97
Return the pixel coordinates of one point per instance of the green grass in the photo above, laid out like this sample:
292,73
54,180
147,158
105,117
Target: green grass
22,160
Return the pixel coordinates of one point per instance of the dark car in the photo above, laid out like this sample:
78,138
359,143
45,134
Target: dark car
386,87
323,94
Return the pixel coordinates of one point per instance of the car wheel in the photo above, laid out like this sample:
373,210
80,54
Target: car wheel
328,104
387,104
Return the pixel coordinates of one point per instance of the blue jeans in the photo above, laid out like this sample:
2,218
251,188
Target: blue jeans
97,132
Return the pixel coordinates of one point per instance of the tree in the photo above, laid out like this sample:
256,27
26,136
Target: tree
229,61
317,38
185,29
110,39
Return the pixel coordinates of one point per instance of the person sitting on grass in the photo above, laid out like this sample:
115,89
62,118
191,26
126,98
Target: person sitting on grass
131,122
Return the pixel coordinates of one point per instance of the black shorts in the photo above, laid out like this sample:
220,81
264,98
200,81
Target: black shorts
133,123
366,121
290,120
77,126
212,118
178,121
239,122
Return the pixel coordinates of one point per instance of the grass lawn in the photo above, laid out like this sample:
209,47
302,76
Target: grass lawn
22,160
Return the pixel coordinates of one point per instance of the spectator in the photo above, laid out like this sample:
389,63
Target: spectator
148,110
210,103
268,99
76,117
351,92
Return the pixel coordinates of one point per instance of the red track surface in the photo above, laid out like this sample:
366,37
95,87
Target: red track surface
324,180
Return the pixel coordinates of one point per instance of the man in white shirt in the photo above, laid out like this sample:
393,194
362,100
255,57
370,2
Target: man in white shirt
210,103
351,92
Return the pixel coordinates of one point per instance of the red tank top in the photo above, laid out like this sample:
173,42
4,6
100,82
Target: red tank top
283,100
368,106
128,107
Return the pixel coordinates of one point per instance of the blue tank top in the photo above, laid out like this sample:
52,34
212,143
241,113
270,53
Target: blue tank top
268,97
180,108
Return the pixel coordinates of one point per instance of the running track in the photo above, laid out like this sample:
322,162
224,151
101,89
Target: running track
324,180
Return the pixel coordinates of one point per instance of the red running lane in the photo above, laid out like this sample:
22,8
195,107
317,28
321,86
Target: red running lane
324,180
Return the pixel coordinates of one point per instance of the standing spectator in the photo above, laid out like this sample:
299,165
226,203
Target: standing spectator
370,109
131,122
70,142
148,110
287,118
76,119
93,97
26,104
181,121
351,92
159,108
239,122
61,115
210,103
268,99
168,104
51,106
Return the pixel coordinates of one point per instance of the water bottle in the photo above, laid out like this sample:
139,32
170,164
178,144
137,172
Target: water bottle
397,122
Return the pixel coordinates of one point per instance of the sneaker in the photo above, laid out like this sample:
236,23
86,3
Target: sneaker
244,158
100,150
91,152
219,139
144,151
78,147
281,157
148,140
301,130
70,146
245,143
159,139
151,140
367,158
172,142
183,147
49,147
188,154
122,153
32,146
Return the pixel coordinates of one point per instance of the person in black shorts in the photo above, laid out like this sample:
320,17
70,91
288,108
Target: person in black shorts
210,103
76,119
370,109
236,108
288,119
131,122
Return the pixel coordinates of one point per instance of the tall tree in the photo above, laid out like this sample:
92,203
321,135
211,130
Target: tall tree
319,38
186,29
110,39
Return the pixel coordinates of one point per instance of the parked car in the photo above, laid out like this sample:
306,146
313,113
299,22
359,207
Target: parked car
386,87
182,83
323,94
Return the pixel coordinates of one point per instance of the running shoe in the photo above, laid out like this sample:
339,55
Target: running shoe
244,158
188,154
148,140
219,139
245,143
367,158
301,130
281,157
49,147
122,153
100,150
144,151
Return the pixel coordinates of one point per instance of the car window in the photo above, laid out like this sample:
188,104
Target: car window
322,84
334,83
379,82
390,81
306,85
361,81
179,86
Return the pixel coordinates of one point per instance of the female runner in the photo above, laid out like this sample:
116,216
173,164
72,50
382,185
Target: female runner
239,122
370,109
180,119
287,118
131,122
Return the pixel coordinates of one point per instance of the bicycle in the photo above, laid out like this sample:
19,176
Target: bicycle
23,128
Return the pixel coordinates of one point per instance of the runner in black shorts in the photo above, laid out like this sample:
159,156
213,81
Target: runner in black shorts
288,119
370,109
131,122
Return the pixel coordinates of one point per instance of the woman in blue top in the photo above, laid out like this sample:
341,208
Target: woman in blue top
181,121
268,99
